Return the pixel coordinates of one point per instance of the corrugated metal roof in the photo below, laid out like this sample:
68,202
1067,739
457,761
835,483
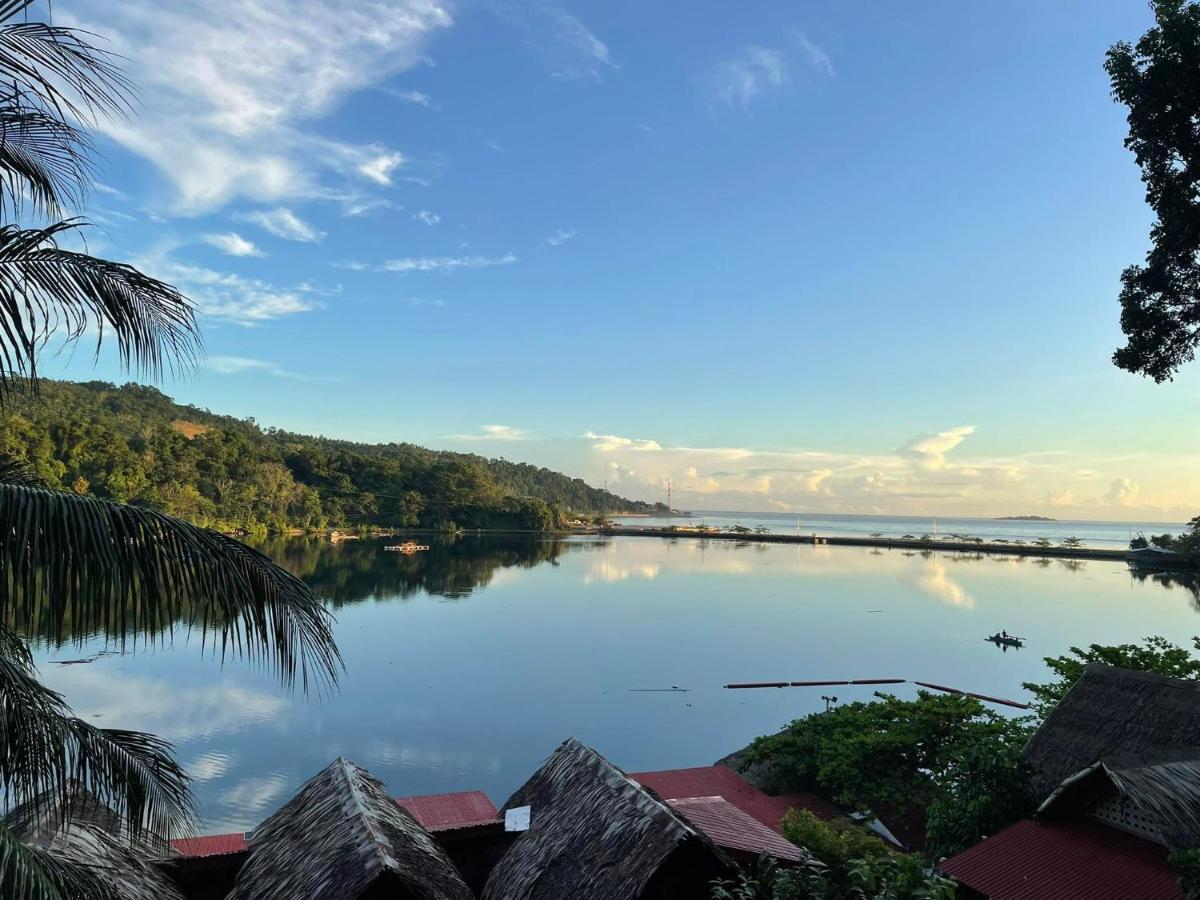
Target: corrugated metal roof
722,781
732,828
210,844
1065,860
440,812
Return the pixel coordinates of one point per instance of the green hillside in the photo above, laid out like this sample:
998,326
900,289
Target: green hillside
133,444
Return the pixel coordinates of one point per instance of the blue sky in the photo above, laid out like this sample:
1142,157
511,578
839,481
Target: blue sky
839,256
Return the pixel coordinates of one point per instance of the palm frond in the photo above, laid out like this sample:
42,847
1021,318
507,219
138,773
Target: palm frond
99,566
14,470
33,873
47,756
61,69
45,289
42,158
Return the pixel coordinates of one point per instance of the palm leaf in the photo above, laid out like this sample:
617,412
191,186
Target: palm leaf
101,566
33,873
47,756
45,289
42,158
14,470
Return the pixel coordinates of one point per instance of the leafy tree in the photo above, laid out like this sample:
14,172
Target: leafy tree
1155,654
72,560
837,844
1159,81
1072,543
901,753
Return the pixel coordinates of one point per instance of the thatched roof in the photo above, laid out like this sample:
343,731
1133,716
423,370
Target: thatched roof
1160,795
1113,712
340,836
594,834
88,834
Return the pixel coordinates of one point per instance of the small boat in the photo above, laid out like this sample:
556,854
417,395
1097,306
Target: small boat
1003,639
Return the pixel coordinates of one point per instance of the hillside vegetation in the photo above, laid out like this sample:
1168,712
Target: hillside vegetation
133,444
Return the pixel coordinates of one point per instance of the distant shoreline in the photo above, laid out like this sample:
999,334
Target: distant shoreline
1024,519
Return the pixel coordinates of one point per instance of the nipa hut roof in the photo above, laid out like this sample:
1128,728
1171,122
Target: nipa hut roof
86,833
1163,792
594,834
340,836
1113,712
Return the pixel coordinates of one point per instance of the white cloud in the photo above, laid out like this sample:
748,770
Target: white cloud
233,244
255,793
929,450
494,433
230,91
379,168
429,218
443,263
208,766
1122,492
243,301
560,237
283,223
421,301
737,81
566,45
606,443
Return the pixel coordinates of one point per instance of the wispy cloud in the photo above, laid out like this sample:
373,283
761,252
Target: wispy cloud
566,45
814,55
494,433
233,244
429,218
228,297
379,167
422,301
755,71
443,263
737,81
417,98
284,223
230,93
239,365
560,237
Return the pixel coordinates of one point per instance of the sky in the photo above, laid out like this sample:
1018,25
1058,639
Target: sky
807,256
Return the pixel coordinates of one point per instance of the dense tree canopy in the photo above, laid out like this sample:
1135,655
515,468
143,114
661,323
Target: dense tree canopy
1159,80
132,444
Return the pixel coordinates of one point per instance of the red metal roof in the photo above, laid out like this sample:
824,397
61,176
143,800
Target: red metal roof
439,812
1065,860
730,827
722,781
210,844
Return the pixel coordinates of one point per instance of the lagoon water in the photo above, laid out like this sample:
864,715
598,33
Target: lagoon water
466,665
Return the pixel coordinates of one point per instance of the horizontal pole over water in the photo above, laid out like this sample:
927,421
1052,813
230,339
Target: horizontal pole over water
745,685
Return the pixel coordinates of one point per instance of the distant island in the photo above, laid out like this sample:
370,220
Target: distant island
1025,519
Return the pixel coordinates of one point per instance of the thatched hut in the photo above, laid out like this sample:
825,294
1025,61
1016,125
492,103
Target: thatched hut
1156,797
343,838
596,835
86,833
1113,712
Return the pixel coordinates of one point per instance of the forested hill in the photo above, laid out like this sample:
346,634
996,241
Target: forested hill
133,444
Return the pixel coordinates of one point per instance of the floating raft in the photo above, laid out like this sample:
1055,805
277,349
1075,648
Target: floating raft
745,685
1006,640
407,547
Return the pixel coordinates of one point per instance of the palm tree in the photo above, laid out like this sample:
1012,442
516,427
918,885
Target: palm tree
83,562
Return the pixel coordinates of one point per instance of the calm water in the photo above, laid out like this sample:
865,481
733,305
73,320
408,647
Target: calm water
468,664
1093,534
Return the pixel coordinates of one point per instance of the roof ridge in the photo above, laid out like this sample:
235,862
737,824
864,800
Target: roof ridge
361,814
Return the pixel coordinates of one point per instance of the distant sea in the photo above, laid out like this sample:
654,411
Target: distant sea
1093,534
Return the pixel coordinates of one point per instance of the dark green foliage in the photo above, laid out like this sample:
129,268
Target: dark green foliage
1156,654
887,752
1158,79
837,844
1186,865
132,444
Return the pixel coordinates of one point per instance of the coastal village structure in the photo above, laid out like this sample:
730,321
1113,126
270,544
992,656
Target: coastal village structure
1118,763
